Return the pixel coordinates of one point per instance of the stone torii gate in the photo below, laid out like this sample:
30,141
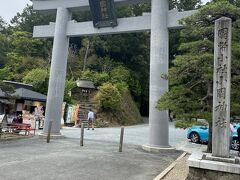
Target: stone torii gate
159,21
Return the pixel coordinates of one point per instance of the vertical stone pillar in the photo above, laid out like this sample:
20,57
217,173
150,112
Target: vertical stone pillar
221,88
58,72
159,55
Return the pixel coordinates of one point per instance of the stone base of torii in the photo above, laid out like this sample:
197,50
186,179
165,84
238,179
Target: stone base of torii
159,21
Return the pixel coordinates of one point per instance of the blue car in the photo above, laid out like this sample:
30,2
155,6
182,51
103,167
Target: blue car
199,134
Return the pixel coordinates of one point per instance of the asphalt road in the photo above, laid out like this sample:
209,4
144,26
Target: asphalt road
65,159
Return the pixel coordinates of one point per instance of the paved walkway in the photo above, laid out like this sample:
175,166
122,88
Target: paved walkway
136,135
64,159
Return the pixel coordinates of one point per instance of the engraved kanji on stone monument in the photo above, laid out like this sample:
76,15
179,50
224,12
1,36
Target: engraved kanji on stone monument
221,87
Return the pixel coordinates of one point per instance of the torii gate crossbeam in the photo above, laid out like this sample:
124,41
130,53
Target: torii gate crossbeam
158,22
125,25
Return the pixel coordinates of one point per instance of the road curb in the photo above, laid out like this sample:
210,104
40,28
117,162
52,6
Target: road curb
170,167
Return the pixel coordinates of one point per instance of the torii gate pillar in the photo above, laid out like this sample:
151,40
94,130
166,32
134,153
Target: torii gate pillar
159,55
58,72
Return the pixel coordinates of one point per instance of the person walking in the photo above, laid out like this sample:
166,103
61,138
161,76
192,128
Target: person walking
91,119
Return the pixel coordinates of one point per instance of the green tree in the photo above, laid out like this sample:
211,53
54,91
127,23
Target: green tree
28,18
88,75
38,78
4,48
2,24
23,44
101,78
191,76
5,74
69,85
19,66
185,4
120,74
22,53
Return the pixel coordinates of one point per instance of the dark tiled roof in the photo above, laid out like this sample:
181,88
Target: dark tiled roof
85,84
29,95
18,84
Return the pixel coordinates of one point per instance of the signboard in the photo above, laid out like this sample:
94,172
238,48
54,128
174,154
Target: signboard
69,114
103,13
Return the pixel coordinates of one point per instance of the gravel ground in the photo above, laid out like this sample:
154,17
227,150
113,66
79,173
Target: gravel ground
180,171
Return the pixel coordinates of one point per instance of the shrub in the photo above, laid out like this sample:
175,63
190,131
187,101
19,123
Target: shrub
87,75
122,87
100,78
108,97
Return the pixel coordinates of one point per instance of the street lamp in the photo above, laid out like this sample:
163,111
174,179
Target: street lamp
103,13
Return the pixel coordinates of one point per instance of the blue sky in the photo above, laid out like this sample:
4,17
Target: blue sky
9,8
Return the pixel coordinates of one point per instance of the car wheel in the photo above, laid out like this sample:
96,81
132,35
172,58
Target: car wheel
235,144
195,137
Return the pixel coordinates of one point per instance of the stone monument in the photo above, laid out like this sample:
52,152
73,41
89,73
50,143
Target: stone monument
159,21
219,164
221,88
